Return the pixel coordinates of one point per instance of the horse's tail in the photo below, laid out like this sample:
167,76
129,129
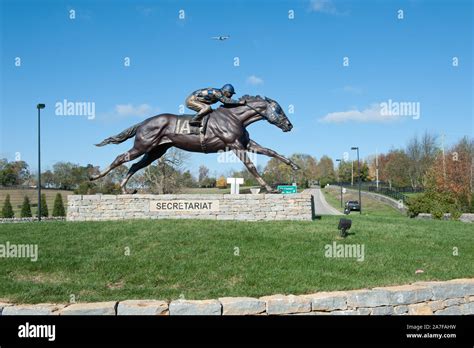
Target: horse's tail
121,137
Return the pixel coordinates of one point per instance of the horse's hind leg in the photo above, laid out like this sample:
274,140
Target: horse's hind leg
121,159
146,160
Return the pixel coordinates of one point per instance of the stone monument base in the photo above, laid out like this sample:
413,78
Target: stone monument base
247,207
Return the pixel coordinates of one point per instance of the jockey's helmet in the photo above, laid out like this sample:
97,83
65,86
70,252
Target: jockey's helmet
228,88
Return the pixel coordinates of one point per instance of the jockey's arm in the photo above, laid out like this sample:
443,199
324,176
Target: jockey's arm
229,101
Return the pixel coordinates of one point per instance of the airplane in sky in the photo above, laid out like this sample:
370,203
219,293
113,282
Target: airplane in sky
221,38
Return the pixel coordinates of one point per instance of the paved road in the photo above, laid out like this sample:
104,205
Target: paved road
321,207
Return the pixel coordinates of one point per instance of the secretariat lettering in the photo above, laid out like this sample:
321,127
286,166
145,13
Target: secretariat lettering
181,205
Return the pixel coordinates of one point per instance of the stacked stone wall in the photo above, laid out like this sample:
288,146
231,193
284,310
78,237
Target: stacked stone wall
246,207
453,297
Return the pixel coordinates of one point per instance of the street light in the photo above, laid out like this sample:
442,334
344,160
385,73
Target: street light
339,176
359,179
39,107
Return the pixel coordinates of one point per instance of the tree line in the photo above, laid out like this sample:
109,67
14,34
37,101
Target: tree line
422,163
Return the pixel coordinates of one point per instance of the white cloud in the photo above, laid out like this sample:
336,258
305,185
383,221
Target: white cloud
371,114
145,11
121,111
323,6
254,80
326,7
138,110
352,89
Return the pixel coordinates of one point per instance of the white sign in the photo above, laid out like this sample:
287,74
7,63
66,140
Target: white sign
184,205
234,185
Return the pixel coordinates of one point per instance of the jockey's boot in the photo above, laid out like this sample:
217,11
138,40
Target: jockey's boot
196,120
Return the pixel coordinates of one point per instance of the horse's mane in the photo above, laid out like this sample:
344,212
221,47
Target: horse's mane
250,98
244,97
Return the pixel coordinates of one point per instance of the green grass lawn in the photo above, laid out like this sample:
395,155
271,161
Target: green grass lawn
196,259
370,207
412,194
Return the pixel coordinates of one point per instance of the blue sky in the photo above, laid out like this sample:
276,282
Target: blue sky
294,61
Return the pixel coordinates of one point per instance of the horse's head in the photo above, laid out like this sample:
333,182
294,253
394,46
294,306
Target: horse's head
275,115
269,110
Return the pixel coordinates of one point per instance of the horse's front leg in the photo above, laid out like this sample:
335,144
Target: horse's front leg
256,148
241,153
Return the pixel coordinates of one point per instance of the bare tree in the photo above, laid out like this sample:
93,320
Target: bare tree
421,153
203,174
164,176
413,152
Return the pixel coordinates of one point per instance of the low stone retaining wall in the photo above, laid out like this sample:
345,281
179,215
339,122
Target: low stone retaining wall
466,217
247,207
453,297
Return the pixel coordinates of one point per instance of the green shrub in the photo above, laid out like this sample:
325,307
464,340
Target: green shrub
418,204
26,208
435,203
437,210
7,210
58,209
44,206
86,188
110,188
324,181
304,184
455,214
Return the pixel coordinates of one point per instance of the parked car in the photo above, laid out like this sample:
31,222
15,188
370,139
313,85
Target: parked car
353,205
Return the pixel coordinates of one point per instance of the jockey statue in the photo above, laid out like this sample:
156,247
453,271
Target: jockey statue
202,99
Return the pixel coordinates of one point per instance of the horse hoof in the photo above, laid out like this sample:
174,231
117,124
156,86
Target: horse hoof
295,166
127,192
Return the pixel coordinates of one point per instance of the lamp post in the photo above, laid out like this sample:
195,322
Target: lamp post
359,178
352,173
377,169
339,176
39,107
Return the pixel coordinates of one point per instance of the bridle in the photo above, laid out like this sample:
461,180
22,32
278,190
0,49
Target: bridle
276,122
258,112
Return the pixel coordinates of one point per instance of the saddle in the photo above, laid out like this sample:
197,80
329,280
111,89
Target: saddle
183,127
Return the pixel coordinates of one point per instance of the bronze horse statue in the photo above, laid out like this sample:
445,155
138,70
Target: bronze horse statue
225,130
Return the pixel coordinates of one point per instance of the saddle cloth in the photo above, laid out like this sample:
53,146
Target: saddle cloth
183,126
